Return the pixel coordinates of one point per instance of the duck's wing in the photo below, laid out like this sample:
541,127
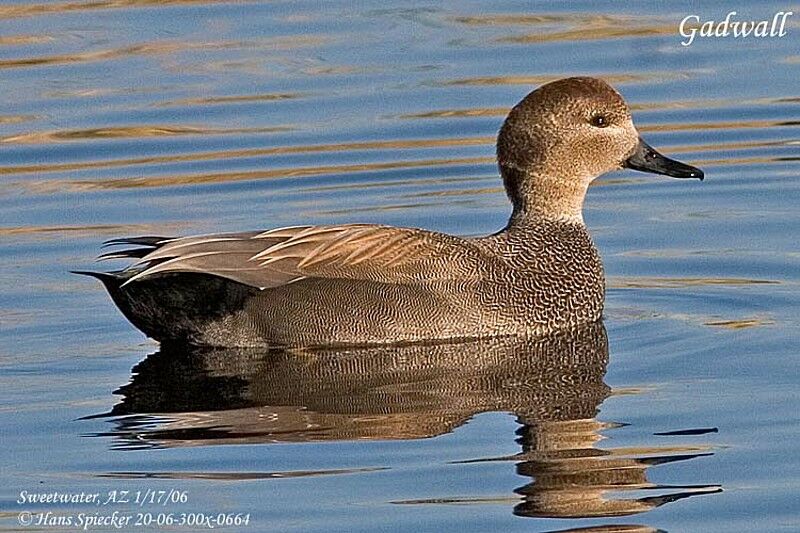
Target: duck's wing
285,255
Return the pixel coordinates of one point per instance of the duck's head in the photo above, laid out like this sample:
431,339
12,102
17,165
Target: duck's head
565,134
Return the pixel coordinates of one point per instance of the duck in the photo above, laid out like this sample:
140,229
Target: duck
361,284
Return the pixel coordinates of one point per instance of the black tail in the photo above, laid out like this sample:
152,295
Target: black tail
174,306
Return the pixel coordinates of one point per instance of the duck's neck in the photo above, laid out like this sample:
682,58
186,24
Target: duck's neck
536,197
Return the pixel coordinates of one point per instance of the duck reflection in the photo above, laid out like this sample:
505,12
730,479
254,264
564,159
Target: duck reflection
573,479
554,385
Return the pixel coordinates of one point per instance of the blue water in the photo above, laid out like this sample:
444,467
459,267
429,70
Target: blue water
186,117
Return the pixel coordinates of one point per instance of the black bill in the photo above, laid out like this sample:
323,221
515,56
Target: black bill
646,159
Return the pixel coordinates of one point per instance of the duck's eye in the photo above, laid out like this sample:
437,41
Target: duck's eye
599,121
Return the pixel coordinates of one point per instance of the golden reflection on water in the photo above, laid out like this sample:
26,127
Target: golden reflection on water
292,172
743,323
725,146
697,319
123,132
537,19
741,161
459,192
574,27
161,48
103,55
393,183
641,282
461,113
17,40
724,125
233,99
16,119
590,34
30,10
52,232
709,103
226,154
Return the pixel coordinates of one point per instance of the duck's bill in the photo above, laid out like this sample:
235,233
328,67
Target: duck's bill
647,159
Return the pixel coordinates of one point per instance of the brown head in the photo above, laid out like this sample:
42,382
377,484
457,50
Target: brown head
561,137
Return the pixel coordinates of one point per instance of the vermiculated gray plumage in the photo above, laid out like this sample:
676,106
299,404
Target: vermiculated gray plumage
302,297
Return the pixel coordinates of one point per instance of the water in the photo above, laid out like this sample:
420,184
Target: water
183,117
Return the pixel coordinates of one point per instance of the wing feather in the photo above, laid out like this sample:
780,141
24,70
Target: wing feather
285,255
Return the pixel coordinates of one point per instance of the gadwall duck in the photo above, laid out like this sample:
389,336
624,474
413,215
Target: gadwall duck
363,283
